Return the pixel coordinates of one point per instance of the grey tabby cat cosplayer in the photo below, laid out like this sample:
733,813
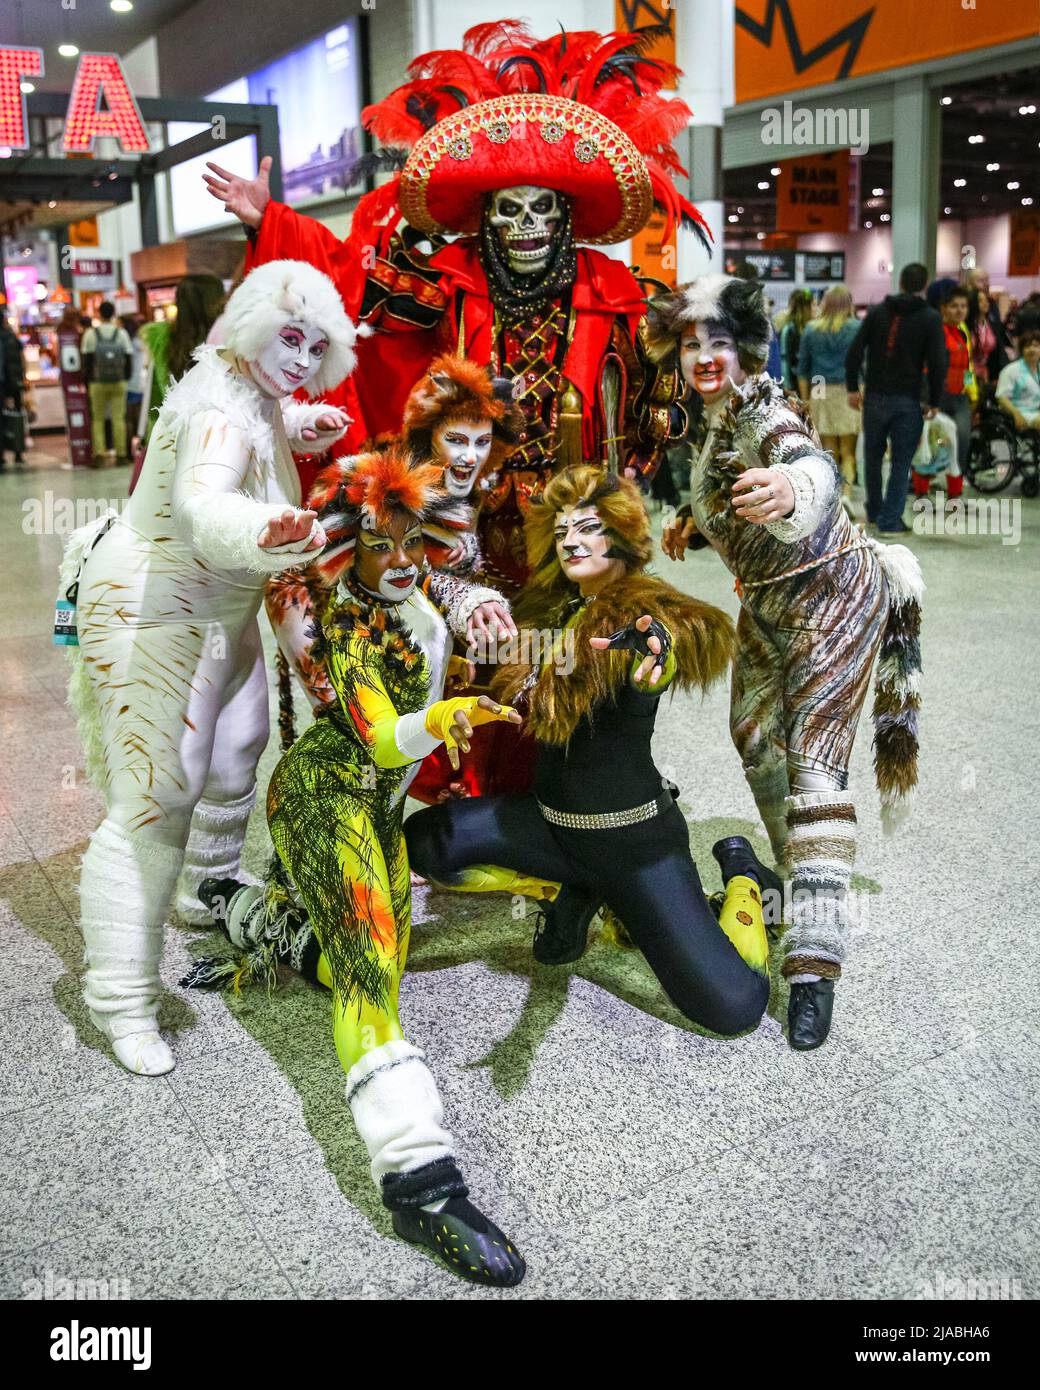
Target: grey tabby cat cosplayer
820,602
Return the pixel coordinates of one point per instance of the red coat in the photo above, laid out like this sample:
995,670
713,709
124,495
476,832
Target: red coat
393,359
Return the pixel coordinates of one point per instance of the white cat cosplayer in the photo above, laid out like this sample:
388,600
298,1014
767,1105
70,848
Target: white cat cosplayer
168,680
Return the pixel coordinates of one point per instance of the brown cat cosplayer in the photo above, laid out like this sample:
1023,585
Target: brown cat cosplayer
602,826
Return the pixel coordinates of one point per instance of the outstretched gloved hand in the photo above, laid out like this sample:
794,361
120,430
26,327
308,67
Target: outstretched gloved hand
645,635
454,721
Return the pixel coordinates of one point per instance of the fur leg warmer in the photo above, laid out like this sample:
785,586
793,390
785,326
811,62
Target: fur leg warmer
125,889
214,850
820,852
397,1109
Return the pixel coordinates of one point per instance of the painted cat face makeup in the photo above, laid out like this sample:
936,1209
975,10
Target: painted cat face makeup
582,544
388,563
708,359
289,360
462,447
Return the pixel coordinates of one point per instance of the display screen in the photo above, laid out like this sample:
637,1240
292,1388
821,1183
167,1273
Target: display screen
317,89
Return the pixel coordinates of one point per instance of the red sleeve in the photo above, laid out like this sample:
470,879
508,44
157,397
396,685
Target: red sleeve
287,235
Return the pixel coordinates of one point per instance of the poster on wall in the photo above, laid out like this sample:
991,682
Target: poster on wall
812,193
1024,243
317,90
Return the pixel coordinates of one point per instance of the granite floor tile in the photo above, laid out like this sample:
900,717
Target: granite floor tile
197,1244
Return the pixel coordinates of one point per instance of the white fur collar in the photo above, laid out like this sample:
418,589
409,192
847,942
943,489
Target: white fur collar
212,384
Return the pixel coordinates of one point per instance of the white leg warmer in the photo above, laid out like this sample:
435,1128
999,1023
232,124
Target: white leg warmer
397,1109
214,850
125,889
820,853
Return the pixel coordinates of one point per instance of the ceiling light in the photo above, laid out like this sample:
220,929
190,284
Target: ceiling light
959,183
877,192
868,224
52,204
976,139
732,217
740,209
1013,185
1027,202
765,184
120,6
68,50
27,87
762,236
992,168
947,211
775,171
945,101
1027,110
886,217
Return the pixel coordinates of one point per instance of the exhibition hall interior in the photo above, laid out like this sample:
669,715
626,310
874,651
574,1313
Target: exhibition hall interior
519,539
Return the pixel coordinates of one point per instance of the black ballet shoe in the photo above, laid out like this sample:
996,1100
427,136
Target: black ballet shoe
809,1014
464,1240
216,894
562,929
734,855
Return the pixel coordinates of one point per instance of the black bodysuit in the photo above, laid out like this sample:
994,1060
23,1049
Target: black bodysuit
643,872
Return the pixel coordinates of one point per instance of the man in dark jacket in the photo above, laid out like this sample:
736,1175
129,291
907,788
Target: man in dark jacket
902,339
12,373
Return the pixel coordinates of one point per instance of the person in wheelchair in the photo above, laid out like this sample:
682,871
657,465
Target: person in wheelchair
1018,387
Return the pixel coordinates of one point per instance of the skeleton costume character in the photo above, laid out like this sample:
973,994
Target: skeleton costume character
522,149
819,604
335,807
168,678
601,825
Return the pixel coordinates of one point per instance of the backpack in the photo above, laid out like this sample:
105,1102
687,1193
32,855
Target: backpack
109,358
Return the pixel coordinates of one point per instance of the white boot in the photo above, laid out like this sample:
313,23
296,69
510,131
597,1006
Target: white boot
125,889
397,1109
214,850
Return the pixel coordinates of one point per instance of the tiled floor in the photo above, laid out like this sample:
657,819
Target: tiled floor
627,1154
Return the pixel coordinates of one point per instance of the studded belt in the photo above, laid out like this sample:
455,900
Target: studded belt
606,820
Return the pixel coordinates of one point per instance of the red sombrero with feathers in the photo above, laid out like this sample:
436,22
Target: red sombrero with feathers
580,113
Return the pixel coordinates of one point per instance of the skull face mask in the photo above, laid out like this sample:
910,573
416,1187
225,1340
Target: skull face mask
526,219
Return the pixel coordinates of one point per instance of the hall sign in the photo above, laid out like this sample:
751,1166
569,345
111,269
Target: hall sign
100,103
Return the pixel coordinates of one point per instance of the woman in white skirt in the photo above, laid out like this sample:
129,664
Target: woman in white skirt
169,680
821,380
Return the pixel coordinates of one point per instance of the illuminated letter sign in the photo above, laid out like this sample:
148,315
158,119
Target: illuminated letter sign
16,63
99,75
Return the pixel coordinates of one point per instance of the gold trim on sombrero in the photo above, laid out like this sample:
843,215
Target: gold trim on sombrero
596,136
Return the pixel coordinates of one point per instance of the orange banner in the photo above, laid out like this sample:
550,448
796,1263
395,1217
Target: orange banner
637,14
812,194
653,257
84,233
1024,244
790,45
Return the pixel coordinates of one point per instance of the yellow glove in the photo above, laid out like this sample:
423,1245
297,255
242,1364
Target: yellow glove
441,719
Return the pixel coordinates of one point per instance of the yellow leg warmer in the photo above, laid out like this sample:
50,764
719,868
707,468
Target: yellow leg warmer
742,921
